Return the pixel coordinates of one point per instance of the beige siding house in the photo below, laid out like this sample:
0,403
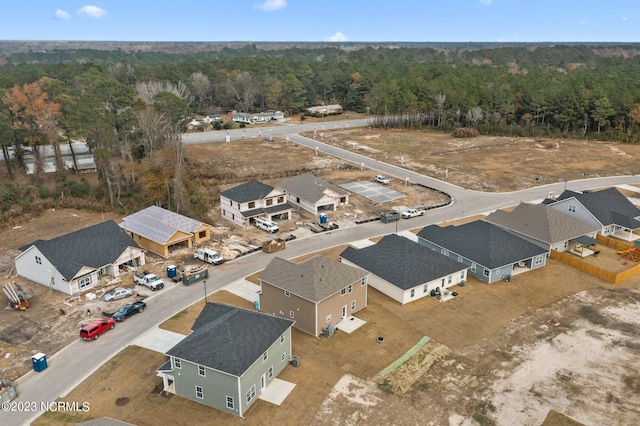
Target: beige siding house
243,203
314,194
316,293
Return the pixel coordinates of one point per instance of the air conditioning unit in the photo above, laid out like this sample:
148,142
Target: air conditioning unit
329,330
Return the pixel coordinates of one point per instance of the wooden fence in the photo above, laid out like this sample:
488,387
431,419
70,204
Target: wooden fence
594,270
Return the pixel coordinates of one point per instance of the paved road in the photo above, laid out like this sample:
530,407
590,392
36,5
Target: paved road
77,361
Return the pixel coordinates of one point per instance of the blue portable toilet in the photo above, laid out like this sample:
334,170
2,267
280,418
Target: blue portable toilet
39,361
323,218
172,271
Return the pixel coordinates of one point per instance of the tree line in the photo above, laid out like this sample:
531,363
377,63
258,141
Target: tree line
130,107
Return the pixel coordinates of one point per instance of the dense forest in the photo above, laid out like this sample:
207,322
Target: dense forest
131,105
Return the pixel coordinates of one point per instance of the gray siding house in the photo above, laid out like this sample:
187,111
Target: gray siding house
490,252
608,209
546,227
314,194
75,262
317,292
229,359
405,270
242,203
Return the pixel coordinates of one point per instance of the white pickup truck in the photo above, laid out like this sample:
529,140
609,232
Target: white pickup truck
409,213
148,280
266,224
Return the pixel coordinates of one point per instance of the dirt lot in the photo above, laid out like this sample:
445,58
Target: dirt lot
492,332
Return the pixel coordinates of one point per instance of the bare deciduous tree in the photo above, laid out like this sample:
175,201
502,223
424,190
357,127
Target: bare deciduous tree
200,87
244,90
147,90
475,115
440,101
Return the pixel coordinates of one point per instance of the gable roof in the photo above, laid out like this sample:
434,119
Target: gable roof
159,225
248,191
609,206
95,247
229,339
313,279
402,262
541,222
309,187
482,242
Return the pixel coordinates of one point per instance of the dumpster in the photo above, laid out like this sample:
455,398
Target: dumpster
39,361
323,218
172,271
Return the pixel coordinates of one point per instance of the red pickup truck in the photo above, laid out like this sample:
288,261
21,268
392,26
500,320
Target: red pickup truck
93,330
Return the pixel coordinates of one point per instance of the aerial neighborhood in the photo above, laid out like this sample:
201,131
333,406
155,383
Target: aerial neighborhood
223,363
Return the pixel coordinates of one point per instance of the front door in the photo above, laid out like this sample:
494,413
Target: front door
344,311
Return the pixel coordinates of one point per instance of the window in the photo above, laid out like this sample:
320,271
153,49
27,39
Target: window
449,279
199,392
270,373
270,202
84,281
343,292
486,273
462,275
425,288
202,234
230,403
291,314
251,393
286,293
473,267
283,357
282,339
177,363
350,288
38,260
445,252
328,318
572,208
252,204
265,356
201,371
460,259
353,305
363,282
280,200
538,260
413,292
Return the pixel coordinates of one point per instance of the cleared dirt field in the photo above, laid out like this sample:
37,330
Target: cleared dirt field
485,345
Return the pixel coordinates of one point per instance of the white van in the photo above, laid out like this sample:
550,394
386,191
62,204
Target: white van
266,224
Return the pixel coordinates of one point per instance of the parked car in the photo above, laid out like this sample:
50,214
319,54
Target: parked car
382,179
409,213
117,293
93,330
127,310
148,280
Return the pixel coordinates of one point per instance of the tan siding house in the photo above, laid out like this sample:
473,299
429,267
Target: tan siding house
316,293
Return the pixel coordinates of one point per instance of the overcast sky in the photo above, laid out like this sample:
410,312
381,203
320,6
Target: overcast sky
322,20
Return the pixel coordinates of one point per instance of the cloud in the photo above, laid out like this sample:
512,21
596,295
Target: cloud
487,2
61,15
338,36
91,11
271,5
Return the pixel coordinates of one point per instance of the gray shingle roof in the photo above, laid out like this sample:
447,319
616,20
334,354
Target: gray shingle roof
313,279
95,247
482,242
402,262
230,339
541,222
248,191
609,206
278,208
158,224
310,187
